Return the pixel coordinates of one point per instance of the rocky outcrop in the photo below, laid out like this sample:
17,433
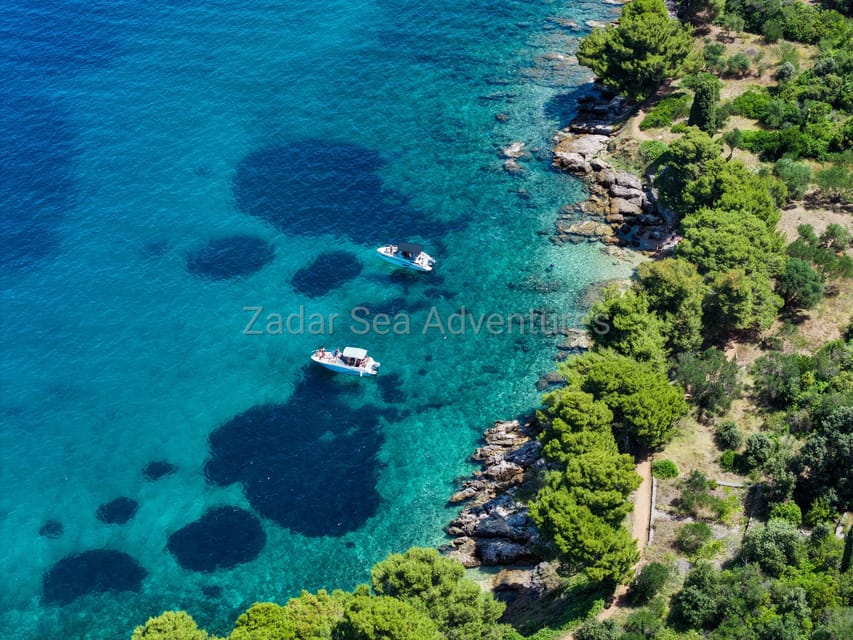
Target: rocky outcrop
494,528
620,207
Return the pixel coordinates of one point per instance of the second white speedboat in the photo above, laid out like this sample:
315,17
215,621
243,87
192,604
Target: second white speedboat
408,255
352,361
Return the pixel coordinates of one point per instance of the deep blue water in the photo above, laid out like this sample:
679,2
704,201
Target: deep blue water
168,169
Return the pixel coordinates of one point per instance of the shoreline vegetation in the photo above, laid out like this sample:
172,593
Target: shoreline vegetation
727,365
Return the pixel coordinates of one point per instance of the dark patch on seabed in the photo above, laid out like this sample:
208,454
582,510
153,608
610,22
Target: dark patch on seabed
309,465
391,388
222,538
316,187
117,511
326,272
95,571
157,469
51,529
232,257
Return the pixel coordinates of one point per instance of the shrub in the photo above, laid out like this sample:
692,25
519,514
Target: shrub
593,629
752,103
785,71
703,111
667,111
651,150
679,127
738,65
760,448
789,511
795,175
728,436
713,54
648,583
692,536
728,461
820,511
664,469
772,31
799,285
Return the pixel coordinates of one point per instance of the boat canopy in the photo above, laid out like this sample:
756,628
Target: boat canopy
354,352
410,247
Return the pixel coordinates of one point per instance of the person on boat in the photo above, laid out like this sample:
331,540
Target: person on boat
337,353
321,352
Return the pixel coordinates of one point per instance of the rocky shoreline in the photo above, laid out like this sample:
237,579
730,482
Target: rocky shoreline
494,528
622,208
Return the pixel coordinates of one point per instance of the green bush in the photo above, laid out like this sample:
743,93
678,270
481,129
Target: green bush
795,175
692,536
679,127
820,511
772,31
738,65
728,461
713,54
651,150
667,111
752,103
789,511
648,583
594,629
728,436
664,469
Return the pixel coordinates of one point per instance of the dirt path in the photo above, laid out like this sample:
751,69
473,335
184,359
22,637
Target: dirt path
639,529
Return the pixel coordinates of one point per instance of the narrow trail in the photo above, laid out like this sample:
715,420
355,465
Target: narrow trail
641,516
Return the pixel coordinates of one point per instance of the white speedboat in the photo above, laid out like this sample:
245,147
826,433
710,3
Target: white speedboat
407,254
351,360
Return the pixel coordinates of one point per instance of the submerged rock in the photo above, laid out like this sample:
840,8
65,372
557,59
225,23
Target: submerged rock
222,538
51,529
95,571
117,511
157,469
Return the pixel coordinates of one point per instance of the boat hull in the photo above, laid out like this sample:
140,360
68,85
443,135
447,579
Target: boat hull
423,265
328,361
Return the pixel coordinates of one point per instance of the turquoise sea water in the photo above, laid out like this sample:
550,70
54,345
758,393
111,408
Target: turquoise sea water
133,134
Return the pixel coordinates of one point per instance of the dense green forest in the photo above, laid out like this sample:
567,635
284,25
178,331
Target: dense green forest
731,277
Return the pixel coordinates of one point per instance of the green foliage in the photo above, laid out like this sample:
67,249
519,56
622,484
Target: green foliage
795,175
675,292
777,378
698,603
703,111
692,536
728,436
571,419
713,53
829,449
263,621
667,111
740,302
314,616
644,624
700,11
719,241
737,66
651,150
847,558
836,625
593,629
800,286
585,541
820,512
649,582
752,103
773,546
729,461
623,322
760,449
170,625
645,405
836,181
437,586
684,162
643,50
384,618
788,511
709,378
664,469
772,31
696,499
826,252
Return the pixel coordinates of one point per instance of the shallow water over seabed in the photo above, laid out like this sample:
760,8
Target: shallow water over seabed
168,170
